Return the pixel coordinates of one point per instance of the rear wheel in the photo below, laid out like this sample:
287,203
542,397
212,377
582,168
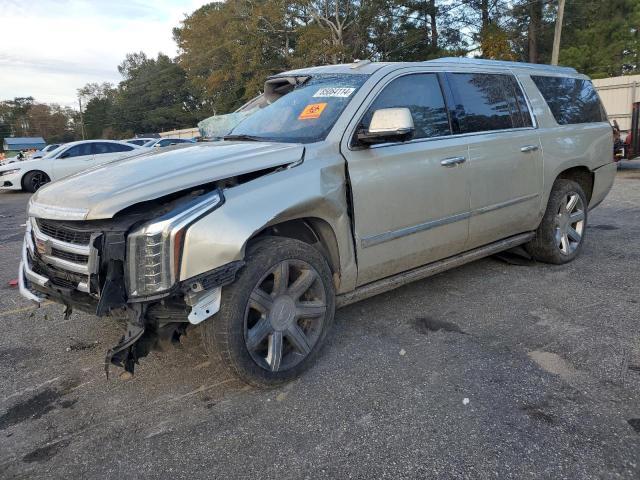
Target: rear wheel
560,236
274,318
32,181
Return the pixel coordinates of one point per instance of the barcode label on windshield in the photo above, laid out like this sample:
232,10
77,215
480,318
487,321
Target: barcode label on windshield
341,92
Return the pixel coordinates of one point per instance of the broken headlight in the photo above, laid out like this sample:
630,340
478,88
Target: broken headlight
154,249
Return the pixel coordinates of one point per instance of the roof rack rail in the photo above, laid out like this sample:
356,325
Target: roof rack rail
502,63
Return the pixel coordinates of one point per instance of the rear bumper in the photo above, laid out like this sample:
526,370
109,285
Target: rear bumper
603,178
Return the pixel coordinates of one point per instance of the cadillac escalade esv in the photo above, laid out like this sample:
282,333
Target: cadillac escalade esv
350,181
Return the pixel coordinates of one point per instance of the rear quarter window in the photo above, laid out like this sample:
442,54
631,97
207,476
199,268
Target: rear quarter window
571,100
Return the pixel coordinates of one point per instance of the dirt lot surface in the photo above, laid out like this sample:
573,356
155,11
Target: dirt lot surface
491,370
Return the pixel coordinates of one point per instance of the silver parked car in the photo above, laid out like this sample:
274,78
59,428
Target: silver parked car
354,180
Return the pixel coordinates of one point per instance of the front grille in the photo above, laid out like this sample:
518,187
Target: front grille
55,276
72,257
63,253
64,234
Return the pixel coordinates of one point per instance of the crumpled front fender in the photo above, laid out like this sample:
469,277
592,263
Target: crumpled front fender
313,189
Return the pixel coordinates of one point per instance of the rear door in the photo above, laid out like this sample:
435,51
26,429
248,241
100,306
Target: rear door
504,164
73,160
409,208
108,151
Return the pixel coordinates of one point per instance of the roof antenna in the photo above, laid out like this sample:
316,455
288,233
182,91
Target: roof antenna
360,63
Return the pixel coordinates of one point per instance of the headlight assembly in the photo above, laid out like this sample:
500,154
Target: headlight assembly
154,249
9,172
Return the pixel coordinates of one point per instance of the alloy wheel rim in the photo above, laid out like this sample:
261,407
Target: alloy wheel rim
569,223
38,180
285,315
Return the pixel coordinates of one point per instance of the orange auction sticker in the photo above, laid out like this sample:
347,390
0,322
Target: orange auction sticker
313,110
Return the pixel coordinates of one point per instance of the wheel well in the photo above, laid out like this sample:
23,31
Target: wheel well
312,230
581,175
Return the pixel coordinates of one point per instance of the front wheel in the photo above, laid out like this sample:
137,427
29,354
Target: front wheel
560,236
274,318
32,181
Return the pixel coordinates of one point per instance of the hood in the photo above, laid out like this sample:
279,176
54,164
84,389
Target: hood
13,163
105,190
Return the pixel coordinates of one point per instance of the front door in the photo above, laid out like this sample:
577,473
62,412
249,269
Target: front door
410,199
73,160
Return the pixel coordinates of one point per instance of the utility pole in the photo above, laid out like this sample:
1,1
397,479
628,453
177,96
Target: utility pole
556,37
81,116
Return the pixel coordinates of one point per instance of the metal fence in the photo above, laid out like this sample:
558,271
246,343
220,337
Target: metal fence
618,95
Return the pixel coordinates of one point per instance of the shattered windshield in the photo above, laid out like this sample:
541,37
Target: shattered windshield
304,115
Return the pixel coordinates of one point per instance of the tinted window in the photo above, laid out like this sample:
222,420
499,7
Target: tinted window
117,147
485,102
79,150
421,94
101,147
165,143
571,100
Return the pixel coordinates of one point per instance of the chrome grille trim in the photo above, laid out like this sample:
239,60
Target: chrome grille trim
59,244
60,254
65,234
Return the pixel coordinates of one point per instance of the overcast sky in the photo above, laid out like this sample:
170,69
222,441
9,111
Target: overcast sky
50,48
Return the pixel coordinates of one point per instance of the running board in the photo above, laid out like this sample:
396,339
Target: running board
400,279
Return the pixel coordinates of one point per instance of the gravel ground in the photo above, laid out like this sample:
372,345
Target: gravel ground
490,370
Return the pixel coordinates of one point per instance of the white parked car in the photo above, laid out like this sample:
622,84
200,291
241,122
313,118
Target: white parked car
165,142
45,151
140,141
65,160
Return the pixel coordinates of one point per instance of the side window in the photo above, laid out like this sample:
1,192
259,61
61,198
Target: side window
488,101
164,143
519,109
78,150
101,147
571,100
116,147
421,94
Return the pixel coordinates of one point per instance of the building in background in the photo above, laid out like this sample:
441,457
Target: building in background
16,144
190,133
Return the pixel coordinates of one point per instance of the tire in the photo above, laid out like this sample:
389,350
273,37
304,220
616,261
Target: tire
560,235
32,181
266,311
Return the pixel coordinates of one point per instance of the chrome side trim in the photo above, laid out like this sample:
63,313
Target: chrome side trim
392,235
508,203
402,232
395,281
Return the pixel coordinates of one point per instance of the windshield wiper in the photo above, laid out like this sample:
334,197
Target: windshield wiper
249,138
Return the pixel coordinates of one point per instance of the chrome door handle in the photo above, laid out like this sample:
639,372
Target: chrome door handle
452,161
529,148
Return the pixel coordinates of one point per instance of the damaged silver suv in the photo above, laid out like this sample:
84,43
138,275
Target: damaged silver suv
351,181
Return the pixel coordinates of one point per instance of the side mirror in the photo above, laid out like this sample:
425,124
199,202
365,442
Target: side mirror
388,125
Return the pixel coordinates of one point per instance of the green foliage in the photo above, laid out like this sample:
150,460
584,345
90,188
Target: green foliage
23,117
601,38
228,48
